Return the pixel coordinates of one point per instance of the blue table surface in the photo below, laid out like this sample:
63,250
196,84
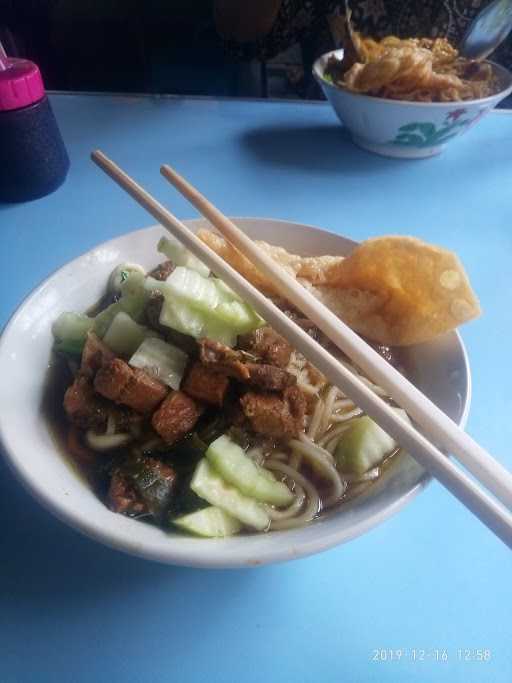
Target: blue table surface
431,583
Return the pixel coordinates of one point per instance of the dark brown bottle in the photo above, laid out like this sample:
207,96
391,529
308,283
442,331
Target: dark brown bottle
33,159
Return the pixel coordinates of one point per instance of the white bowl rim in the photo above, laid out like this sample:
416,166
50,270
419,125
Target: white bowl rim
318,73
206,559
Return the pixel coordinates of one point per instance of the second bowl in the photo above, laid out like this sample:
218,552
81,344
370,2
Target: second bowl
398,128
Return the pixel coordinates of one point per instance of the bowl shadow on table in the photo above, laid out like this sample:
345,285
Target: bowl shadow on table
45,562
321,148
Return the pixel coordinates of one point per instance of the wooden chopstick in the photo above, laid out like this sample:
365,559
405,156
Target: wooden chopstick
460,484
437,426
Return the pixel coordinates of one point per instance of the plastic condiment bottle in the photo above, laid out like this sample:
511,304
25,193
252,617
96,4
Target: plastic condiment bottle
33,159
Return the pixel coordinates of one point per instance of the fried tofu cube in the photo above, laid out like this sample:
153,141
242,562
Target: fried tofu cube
117,381
176,416
206,385
271,415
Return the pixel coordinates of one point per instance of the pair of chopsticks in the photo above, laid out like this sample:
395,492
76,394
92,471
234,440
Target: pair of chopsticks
436,425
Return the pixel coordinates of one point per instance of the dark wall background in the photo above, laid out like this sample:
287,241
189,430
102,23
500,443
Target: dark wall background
208,47
123,45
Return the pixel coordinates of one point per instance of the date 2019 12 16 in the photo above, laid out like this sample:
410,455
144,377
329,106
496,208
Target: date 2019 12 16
430,655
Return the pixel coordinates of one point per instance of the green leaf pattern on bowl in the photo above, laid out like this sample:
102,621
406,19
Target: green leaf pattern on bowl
424,134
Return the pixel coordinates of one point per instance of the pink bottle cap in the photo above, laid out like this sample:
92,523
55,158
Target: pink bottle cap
21,84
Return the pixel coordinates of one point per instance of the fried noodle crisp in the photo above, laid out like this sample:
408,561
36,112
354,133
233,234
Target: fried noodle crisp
413,69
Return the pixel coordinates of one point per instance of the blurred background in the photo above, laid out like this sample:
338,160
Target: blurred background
234,48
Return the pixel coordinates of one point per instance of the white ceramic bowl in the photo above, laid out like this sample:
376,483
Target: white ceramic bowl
440,368
397,128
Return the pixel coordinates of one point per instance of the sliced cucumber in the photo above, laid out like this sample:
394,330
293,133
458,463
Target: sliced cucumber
102,320
133,294
70,331
364,445
203,307
190,287
179,316
181,256
226,294
230,461
244,316
132,301
237,315
121,273
207,484
162,360
151,284
218,331
124,335
211,522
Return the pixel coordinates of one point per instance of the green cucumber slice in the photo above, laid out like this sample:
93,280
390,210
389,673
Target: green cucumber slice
207,484
226,294
211,522
124,335
194,289
132,302
133,294
237,315
218,331
181,317
231,462
203,307
121,273
181,256
160,359
70,331
364,445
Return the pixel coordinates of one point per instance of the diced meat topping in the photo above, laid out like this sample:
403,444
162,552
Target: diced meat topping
112,379
206,385
143,393
162,271
274,416
268,345
82,406
176,416
117,381
95,354
122,496
221,358
269,377
296,401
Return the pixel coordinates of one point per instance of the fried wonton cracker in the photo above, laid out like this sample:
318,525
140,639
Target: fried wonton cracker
311,268
401,291
393,290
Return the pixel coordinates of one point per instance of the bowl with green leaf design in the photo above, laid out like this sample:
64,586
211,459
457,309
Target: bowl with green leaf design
399,128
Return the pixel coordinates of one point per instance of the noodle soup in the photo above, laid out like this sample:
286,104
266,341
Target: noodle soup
439,367
189,412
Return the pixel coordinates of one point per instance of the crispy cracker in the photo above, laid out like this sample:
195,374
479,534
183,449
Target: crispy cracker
393,290
409,291
312,268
